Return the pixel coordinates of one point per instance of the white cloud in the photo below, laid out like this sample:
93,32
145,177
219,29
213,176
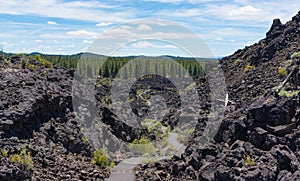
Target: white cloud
90,10
104,24
144,27
146,44
142,44
245,11
165,1
38,41
87,41
51,23
181,1
183,13
3,43
253,12
235,12
82,33
88,4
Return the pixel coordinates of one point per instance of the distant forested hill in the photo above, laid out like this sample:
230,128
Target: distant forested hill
112,65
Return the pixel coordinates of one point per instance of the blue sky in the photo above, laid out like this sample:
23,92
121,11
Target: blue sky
68,27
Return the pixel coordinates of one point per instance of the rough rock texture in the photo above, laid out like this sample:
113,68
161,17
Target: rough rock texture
257,140
36,112
261,125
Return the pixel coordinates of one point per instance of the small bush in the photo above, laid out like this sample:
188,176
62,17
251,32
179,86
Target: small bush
4,153
44,74
190,87
6,61
31,66
248,160
295,55
84,139
237,61
181,138
101,159
106,100
283,92
142,146
282,71
24,159
24,62
152,125
45,62
248,67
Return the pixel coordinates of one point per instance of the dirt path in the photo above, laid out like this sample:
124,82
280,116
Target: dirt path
124,171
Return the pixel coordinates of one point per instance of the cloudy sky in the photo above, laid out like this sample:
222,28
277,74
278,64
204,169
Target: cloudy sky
69,27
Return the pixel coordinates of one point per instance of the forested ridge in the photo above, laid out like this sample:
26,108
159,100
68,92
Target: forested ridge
110,66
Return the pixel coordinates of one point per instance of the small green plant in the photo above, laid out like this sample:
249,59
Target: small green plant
4,153
190,131
45,62
24,62
84,139
100,158
166,132
248,160
6,61
282,71
248,67
237,61
190,87
184,135
106,100
31,66
283,92
142,146
152,125
24,159
295,55
181,138
44,74
147,158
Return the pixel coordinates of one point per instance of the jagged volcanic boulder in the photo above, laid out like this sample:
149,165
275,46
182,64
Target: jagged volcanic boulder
36,112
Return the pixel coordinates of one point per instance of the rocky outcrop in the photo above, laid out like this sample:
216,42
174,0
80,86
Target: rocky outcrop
258,137
36,112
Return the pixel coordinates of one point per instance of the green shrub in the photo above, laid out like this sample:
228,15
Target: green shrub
45,62
282,71
190,131
237,61
295,55
248,160
147,158
152,125
24,62
248,67
24,159
106,100
44,74
100,158
4,153
283,92
6,61
181,138
190,87
31,66
142,146
84,139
